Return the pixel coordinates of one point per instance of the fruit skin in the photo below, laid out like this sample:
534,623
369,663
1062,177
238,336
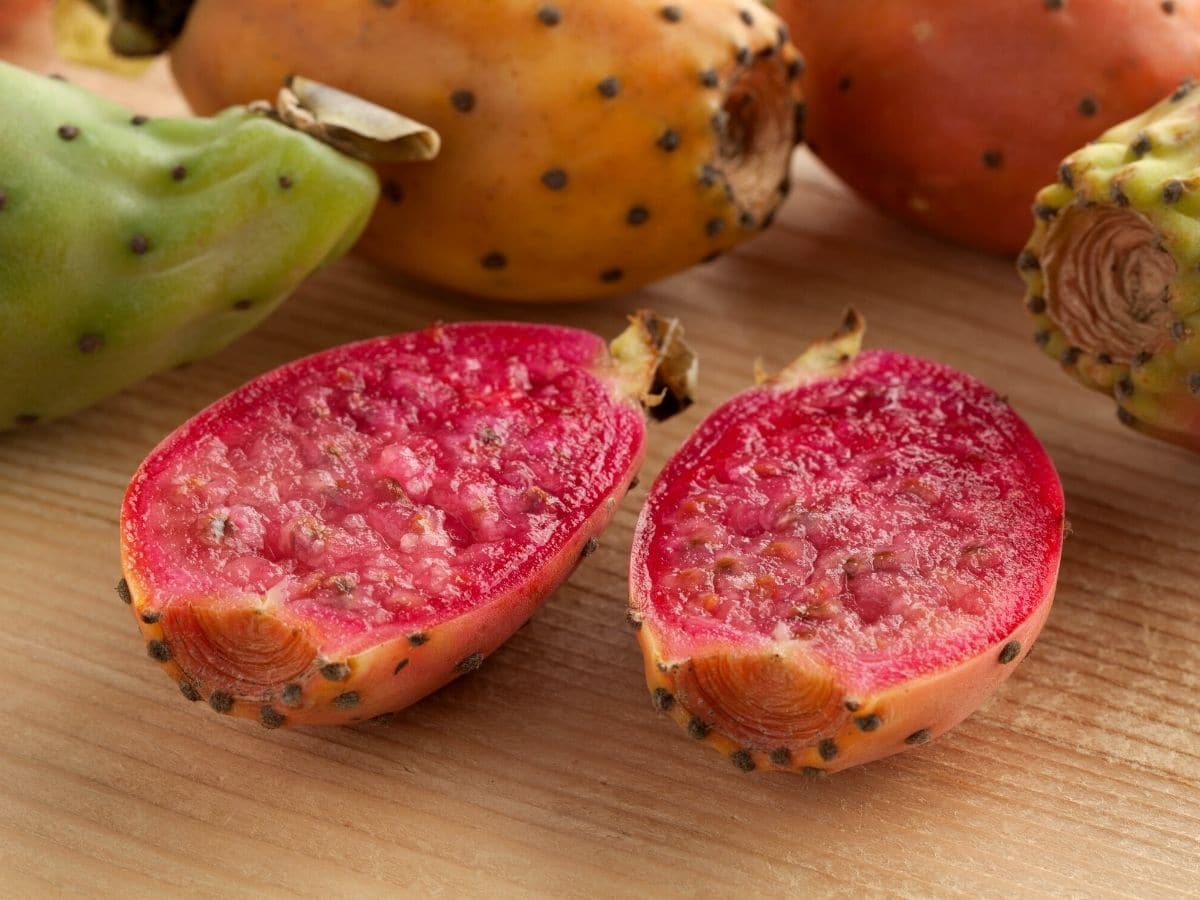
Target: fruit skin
1125,213
780,687
126,249
909,714
271,662
580,155
427,659
951,115
15,12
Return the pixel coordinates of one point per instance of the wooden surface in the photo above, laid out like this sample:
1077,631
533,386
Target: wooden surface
548,772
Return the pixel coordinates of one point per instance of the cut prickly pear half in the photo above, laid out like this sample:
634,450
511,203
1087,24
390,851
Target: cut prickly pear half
844,561
345,534
129,245
1111,269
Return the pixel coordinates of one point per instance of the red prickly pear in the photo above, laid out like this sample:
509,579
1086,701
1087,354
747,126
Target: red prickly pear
14,14
845,561
349,532
952,115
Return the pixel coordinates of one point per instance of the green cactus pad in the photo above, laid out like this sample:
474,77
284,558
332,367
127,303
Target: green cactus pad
131,245
1113,268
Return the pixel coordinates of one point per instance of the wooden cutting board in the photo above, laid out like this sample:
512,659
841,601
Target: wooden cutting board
548,772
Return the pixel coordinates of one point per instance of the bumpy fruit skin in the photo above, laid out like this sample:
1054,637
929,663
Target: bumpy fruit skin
1111,268
347,533
588,148
845,561
951,115
128,246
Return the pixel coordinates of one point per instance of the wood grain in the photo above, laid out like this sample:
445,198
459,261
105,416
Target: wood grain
548,773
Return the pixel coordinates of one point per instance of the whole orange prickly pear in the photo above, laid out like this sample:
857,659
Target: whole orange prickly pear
952,115
588,147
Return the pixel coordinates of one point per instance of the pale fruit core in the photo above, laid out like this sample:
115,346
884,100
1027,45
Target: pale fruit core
1108,281
386,485
891,521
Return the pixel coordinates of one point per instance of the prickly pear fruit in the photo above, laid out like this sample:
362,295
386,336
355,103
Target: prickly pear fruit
951,115
589,147
845,561
15,12
345,534
128,245
1111,268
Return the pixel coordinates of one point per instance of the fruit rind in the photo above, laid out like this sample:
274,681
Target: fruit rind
931,705
389,676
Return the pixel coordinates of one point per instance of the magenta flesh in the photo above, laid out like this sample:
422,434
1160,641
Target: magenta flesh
383,486
894,519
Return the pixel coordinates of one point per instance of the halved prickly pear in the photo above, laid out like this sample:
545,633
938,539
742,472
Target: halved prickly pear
844,561
347,533
130,245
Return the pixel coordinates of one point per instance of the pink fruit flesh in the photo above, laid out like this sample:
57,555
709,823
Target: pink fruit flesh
883,525
375,491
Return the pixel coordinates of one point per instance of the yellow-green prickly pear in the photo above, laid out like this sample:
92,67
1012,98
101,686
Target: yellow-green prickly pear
1111,268
130,245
